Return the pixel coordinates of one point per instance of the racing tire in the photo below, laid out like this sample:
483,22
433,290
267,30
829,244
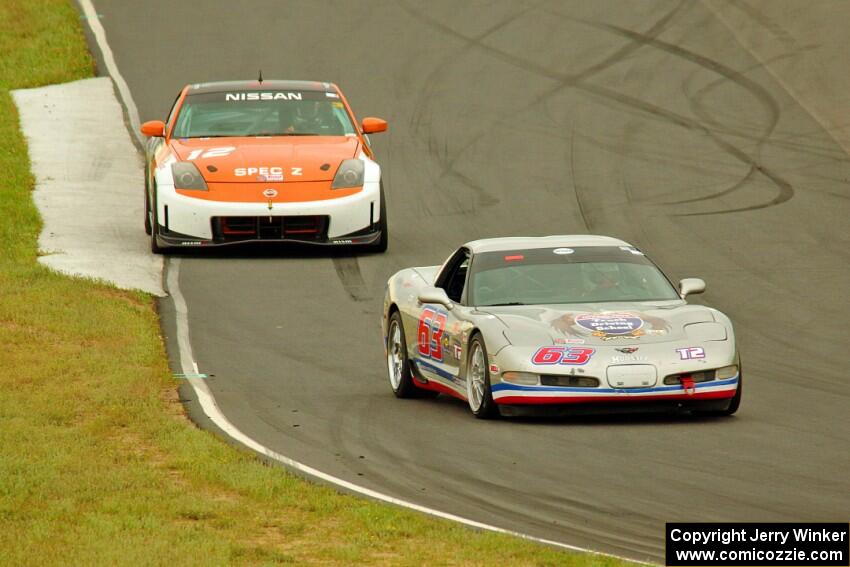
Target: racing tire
478,392
155,247
148,226
733,405
398,365
380,246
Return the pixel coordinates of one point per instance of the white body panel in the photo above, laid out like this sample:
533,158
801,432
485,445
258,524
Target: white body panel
192,217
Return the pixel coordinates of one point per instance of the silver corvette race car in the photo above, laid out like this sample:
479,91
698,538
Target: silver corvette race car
560,324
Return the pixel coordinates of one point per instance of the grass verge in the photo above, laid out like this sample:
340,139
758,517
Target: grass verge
98,464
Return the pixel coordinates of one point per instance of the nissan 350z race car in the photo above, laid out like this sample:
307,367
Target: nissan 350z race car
266,161
560,324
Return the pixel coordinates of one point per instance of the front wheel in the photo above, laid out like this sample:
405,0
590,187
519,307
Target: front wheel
478,392
398,366
147,205
381,244
148,225
733,405
155,247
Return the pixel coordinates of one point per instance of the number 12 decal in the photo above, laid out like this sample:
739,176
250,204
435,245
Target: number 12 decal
432,324
691,353
210,152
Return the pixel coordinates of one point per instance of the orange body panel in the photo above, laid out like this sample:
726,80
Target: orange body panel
289,192
260,159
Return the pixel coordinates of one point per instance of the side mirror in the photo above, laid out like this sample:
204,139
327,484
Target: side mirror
690,286
153,129
374,125
435,295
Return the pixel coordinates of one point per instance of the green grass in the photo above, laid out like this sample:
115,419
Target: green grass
98,464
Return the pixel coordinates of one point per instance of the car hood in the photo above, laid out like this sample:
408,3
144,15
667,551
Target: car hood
609,324
262,160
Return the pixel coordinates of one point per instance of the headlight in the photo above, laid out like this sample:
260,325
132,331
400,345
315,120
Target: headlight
522,378
349,174
726,372
187,176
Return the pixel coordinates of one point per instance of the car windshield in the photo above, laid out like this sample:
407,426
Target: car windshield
263,113
586,274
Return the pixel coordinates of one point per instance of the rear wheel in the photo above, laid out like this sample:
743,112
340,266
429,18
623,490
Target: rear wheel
478,392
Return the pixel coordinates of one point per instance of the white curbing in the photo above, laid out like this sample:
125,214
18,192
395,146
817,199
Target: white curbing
89,186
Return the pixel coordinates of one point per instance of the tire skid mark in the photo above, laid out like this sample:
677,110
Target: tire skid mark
425,102
731,189
563,80
348,271
787,142
638,40
584,216
786,191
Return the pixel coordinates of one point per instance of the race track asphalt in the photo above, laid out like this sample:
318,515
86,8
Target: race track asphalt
646,121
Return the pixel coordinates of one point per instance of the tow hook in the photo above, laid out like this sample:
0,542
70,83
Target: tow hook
688,385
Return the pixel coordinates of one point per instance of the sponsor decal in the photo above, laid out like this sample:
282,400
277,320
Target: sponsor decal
575,356
343,241
331,95
691,353
457,352
192,243
267,173
570,341
611,325
494,369
269,193
627,350
245,171
620,358
262,96
563,251
269,178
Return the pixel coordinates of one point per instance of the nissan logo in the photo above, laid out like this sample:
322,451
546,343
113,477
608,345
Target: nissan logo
270,193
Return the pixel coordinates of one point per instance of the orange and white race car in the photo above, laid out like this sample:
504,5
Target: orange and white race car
263,161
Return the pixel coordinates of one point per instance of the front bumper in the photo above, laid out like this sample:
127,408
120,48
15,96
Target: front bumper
513,394
190,222
173,239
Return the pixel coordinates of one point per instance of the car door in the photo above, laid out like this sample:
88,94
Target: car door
438,339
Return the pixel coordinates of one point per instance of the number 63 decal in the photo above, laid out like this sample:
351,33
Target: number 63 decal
575,356
432,324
